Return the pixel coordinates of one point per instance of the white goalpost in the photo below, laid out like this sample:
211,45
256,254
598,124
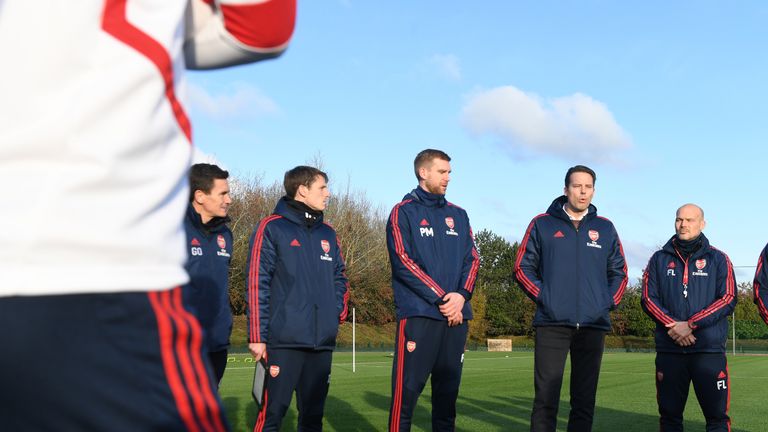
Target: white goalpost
353,340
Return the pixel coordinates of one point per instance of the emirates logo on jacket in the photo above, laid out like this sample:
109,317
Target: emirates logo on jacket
326,246
594,235
222,242
449,222
700,265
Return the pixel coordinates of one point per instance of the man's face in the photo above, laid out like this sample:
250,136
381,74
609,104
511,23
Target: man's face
435,176
689,222
216,202
316,195
580,191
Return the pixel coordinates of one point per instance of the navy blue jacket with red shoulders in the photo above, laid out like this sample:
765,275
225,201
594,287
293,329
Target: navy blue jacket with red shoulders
296,287
209,251
760,285
576,277
700,290
432,253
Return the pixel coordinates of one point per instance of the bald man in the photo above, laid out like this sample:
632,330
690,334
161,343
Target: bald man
689,290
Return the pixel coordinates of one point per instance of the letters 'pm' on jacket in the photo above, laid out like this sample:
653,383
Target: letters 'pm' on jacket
432,253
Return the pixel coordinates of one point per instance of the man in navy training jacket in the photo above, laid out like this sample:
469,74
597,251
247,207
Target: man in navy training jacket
209,251
689,290
297,294
760,285
434,267
571,263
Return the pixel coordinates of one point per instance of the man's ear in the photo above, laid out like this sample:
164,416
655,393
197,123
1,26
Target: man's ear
301,191
423,170
199,196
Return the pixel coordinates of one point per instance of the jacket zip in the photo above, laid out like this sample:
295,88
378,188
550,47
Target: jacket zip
685,282
317,272
578,254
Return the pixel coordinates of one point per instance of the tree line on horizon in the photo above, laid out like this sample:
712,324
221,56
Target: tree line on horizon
499,305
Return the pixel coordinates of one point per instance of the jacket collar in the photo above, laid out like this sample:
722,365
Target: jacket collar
669,247
426,198
556,209
214,225
283,209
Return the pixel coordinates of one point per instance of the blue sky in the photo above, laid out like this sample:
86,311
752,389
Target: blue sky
666,101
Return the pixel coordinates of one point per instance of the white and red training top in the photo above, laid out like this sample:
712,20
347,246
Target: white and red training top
95,141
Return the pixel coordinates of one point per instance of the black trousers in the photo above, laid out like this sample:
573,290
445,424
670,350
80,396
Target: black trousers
104,362
425,347
711,382
218,361
307,372
552,346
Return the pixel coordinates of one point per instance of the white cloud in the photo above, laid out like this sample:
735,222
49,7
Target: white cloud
574,126
637,255
199,156
447,65
239,101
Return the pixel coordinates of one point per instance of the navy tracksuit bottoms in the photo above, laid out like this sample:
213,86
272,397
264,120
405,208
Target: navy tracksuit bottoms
425,346
306,371
104,362
711,382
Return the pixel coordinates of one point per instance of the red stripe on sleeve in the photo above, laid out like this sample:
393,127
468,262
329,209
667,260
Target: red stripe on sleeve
756,287
115,23
405,259
652,307
253,278
345,310
470,284
620,292
528,285
730,291
265,25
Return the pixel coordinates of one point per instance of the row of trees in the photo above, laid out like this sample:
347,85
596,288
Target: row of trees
499,305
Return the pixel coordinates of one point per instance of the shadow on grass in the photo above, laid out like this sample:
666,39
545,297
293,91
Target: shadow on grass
421,415
494,413
341,416
513,414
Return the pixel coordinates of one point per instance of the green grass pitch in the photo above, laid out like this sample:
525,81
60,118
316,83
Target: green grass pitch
496,394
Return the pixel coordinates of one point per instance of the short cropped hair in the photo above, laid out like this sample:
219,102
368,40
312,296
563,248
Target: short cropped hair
425,157
201,177
301,175
579,168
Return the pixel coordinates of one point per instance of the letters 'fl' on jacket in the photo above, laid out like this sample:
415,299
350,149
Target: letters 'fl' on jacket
209,251
700,290
297,290
432,253
760,285
576,277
